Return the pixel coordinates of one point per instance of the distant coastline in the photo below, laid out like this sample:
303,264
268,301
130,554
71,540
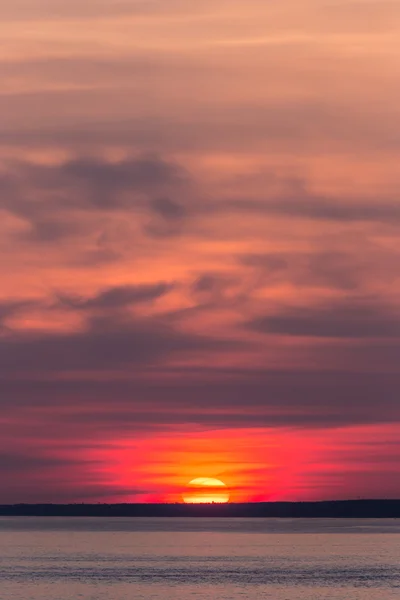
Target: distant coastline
363,509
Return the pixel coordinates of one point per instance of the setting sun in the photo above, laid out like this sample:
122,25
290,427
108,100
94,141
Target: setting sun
205,490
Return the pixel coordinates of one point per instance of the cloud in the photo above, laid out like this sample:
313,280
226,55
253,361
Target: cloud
106,178
107,342
205,283
24,461
292,125
33,10
214,398
347,319
88,182
52,230
116,297
217,289
269,262
70,199
168,218
160,198
320,209
321,268
168,209
11,308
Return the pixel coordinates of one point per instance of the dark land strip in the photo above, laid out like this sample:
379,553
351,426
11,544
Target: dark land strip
352,509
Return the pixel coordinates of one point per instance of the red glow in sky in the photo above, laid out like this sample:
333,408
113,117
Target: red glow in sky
199,236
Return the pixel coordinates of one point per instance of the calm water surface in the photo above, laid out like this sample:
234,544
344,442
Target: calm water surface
203,559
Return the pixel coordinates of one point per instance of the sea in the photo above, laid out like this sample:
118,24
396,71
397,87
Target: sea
200,559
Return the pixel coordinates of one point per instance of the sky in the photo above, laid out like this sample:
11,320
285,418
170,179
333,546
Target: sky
199,229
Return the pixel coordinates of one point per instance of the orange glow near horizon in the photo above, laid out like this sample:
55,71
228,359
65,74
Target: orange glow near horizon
255,465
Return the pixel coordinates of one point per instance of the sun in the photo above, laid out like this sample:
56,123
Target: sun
205,490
